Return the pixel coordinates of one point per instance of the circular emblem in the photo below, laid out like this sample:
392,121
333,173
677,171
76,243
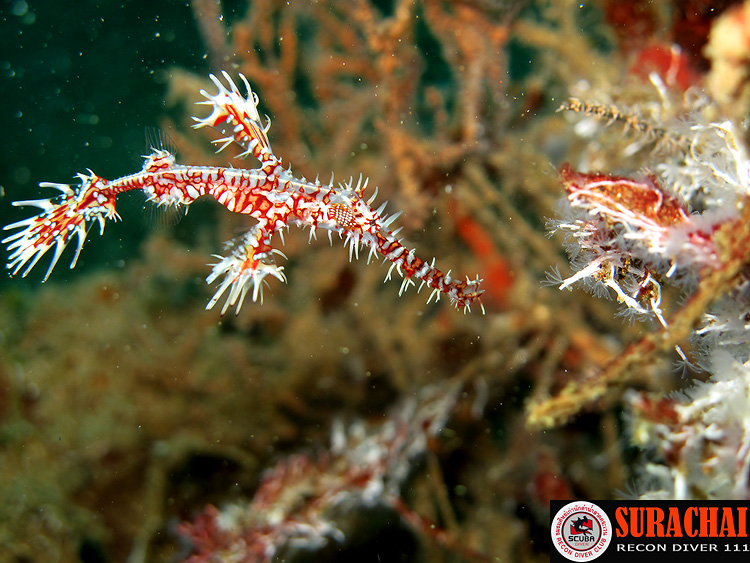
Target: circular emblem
581,531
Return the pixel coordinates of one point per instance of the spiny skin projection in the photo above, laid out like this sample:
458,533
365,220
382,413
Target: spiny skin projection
270,194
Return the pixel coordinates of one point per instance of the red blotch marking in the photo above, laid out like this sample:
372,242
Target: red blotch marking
669,62
642,197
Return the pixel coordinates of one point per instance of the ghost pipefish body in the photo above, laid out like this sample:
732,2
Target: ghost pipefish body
270,194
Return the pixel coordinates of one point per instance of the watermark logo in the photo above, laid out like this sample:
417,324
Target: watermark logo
581,531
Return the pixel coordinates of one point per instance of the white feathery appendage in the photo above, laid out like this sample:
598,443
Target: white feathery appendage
237,116
59,221
242,270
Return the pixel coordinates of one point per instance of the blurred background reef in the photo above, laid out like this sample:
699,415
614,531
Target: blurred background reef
126,408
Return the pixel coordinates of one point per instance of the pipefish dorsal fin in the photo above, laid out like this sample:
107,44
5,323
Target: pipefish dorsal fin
160,148
158,140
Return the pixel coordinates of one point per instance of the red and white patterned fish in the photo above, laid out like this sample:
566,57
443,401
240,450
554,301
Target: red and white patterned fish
270,194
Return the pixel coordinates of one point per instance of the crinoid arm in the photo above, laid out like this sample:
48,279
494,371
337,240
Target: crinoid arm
244,269
61,219
237,117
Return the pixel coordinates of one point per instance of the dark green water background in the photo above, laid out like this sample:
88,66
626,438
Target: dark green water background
80,83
